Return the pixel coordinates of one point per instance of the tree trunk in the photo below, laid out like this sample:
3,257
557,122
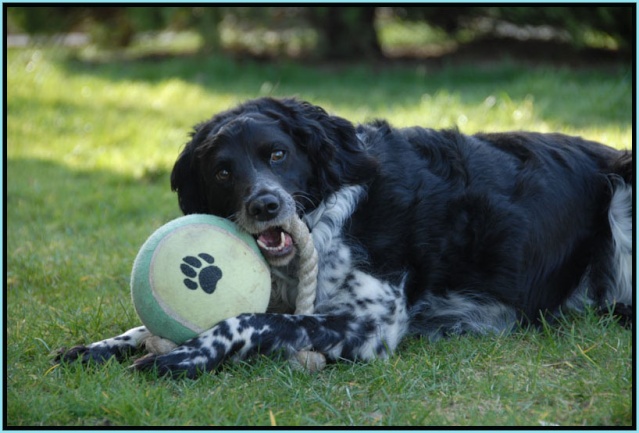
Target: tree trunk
346,33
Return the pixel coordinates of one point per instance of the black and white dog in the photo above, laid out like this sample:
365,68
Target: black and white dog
419,232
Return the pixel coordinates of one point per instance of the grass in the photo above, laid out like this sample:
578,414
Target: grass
90,145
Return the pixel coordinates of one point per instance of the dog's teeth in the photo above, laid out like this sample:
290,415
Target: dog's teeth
277,248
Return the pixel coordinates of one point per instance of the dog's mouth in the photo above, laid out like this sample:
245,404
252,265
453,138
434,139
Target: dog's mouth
275,244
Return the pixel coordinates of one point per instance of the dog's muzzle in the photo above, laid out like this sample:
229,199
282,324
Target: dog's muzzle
263,215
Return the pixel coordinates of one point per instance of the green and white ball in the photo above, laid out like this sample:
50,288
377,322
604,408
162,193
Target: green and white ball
194,272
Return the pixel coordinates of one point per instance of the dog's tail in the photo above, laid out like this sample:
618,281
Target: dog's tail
618,292
620,217
608,283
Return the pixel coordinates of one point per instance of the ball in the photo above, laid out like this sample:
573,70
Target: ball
194,272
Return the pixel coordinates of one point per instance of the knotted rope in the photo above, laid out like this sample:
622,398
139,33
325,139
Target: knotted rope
306,360
307,271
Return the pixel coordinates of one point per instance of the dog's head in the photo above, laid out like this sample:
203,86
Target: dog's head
259,163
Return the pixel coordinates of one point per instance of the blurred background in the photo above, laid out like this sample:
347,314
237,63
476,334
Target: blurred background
333,32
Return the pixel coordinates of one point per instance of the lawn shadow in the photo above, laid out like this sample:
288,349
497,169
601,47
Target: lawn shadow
49,196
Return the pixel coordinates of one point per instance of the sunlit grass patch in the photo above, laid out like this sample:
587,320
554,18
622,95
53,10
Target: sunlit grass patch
90,145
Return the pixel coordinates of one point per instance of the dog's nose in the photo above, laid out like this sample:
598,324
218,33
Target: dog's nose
264,207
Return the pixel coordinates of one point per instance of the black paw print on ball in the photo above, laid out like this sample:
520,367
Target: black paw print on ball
207,277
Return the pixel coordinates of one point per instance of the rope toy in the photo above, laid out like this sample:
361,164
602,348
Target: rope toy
307,271
305,360
158,345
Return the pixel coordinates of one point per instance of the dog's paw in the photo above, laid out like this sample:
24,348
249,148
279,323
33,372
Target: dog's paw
205,278
177,364
64,355
85,354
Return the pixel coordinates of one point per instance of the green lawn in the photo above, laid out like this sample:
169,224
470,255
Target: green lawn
89,148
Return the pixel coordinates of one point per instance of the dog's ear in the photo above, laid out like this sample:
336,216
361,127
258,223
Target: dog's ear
330,142
186,177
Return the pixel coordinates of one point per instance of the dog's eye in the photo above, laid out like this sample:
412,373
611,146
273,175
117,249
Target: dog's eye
223,175
278,156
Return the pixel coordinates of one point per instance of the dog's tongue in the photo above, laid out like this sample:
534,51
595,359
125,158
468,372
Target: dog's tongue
275,241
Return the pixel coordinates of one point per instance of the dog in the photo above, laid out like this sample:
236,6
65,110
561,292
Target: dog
419,232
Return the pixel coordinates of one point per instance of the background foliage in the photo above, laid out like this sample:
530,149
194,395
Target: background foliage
330,32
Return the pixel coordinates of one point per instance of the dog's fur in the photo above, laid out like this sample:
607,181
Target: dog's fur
419,232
